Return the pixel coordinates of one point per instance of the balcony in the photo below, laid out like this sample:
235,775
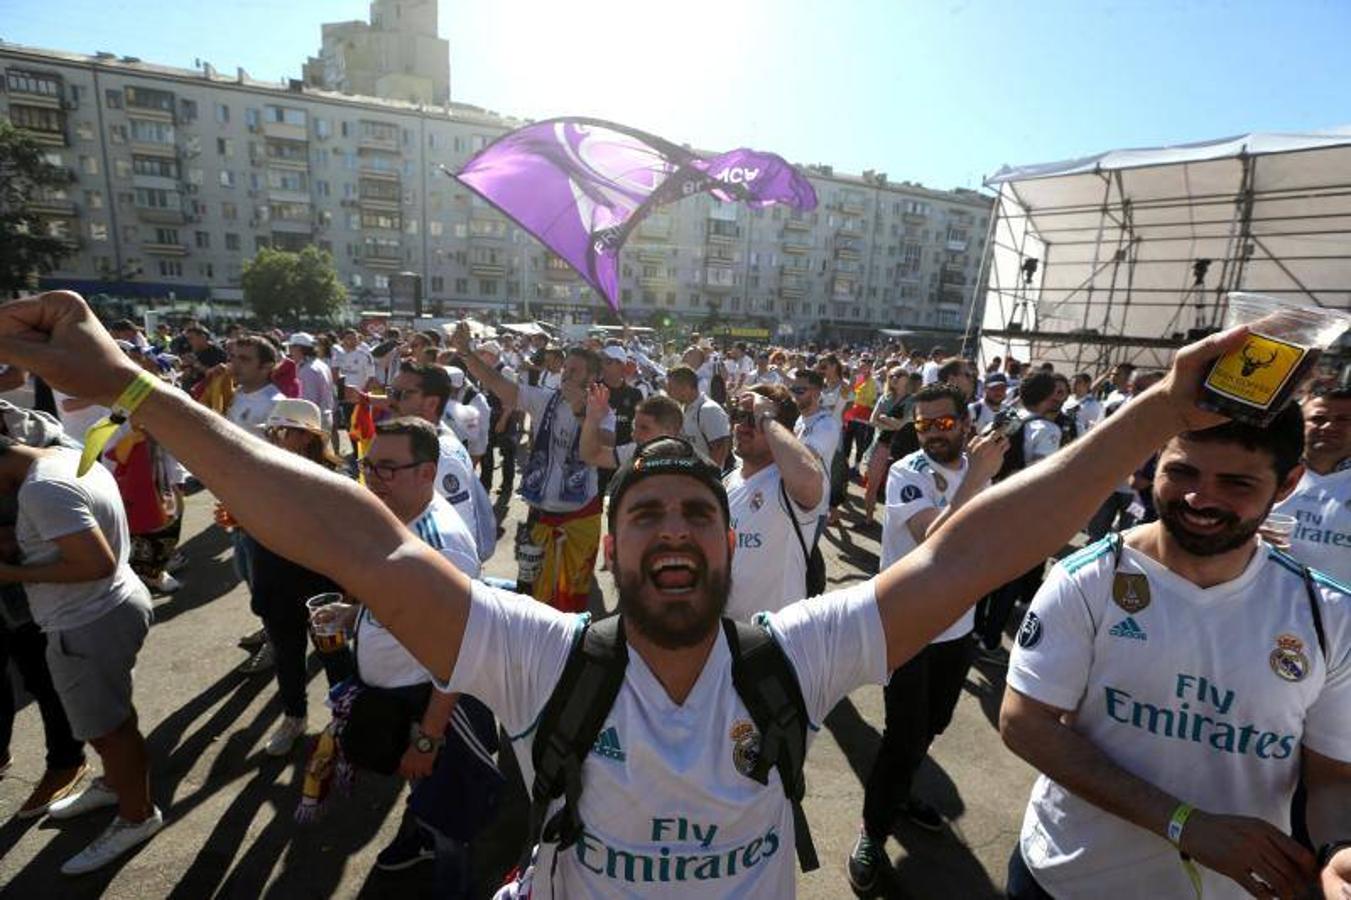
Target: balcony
382,259
161,215
651,257
383,141
369,171
951,277
48,137
655,228
796,246
157,249
378,204
557,270
956,246
488,269
654,282
286,131
913,218
166,151
293,226
720,232
792,288
853,208
50,205
848,266
719,280
951,296
32,96
847,251
796,222
283,195
850,229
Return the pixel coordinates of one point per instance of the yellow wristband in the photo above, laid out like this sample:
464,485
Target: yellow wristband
1176,821
102,431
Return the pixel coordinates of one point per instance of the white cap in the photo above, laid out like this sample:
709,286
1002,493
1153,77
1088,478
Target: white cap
300,339
456,376
613,352
492,347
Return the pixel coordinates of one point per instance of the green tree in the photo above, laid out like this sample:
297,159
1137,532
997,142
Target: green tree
26,249
279,285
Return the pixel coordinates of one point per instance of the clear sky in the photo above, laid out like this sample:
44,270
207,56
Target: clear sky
937,92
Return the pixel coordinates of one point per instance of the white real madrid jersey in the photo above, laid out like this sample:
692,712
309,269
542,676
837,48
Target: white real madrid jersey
1207,693
916,483
1321,505
769,570
668,813
454,469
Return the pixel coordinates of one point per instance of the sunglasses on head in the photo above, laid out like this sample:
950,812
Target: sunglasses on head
939,423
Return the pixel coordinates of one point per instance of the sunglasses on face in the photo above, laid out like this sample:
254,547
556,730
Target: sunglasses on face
385,471
941,423
397,394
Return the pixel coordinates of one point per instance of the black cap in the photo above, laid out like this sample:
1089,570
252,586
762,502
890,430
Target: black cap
666,456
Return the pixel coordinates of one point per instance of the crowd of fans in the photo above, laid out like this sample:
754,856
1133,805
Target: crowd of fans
433,423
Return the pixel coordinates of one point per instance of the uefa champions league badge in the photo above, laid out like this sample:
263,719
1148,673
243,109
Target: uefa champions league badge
757,500
1288,660
745,746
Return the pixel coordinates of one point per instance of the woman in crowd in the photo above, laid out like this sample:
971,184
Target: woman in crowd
889,413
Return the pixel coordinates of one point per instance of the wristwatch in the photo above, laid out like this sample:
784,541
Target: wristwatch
1329,850
425,743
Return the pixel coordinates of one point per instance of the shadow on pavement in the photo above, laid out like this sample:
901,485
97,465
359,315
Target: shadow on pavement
207,577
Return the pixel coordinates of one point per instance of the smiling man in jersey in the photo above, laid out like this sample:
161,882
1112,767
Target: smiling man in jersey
1321,502
924,490
779,487
1173,684
667,797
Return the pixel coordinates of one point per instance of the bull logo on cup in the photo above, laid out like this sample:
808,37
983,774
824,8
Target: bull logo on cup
1251,365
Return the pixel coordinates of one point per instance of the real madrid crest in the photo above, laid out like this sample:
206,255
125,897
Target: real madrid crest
1288,659
940,482
450,484
745,746
757,500
1130,591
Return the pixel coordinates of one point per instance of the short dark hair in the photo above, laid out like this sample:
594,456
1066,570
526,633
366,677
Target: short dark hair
682,375
1283,438
267,351
787,414
943,390
1036,387
1084,377
198,330
954,366
433,380
590,357
666,411
811,376
421,434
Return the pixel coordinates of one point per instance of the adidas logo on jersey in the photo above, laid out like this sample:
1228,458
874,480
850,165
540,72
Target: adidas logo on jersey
607,744
1128,628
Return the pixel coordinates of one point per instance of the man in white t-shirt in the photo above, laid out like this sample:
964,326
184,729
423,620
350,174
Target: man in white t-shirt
1174,687
706,424
924,489
467,413
1321,502
1086,408
353,367
657,416
779,488
314,375
984,410
556,546
929,371
251,361
816,427
667,786
423,390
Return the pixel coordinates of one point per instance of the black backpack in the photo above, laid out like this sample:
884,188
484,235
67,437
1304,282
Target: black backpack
571,722
1015,458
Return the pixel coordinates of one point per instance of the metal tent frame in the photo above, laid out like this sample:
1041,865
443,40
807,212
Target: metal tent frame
1123,256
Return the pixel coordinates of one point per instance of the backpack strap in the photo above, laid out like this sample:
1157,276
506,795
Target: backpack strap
1315,607
766,683
797,532
568,727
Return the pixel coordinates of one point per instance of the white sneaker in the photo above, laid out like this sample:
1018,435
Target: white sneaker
119,837
174,565
164,584
97,796
284,738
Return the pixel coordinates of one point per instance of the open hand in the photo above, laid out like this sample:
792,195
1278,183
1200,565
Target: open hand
1182,384
597,401
1264,861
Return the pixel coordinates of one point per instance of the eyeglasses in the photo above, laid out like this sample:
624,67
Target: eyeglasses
798,391
940,423
386,471
739,416
397,394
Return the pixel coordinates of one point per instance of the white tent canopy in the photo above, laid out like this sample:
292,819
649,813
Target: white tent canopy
1117,257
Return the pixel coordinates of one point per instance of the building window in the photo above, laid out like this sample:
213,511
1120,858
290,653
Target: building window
227,178
98,231
113,98
206,270
225,147
222,114
380,282
166,235
36,118
155,165
323,128
438,284
84,131
122,168
154,198
170,268
93,199
229,212
284,115
232,241
19,81
435,229
203,240
461,285
143,132
89,165
487,287
251,118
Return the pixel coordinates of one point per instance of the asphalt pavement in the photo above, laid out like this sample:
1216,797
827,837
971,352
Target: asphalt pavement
228,807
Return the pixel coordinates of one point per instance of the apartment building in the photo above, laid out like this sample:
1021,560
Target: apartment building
178,176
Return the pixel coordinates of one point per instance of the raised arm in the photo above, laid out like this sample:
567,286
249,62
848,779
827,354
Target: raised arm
325,523
595,449
500,386
798,466
929,588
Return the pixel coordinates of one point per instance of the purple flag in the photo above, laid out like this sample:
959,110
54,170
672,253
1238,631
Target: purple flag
581,186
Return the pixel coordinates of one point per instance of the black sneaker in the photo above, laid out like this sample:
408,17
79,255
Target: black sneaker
866,865
412,845
923,815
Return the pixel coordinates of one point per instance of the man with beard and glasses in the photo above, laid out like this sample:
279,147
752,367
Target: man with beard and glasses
924,490
666,796
1172,684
